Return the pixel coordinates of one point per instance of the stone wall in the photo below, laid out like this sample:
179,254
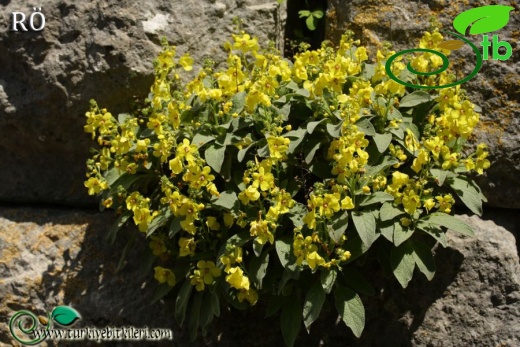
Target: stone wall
52,255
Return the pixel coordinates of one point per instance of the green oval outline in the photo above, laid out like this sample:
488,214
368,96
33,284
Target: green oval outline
444,58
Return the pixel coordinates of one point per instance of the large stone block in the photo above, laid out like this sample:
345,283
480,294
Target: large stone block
52,257
494,89
94,49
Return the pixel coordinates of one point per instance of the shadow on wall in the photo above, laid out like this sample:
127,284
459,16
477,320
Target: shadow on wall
296,30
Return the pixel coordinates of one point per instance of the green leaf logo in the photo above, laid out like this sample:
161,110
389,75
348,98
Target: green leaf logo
65,315
483,19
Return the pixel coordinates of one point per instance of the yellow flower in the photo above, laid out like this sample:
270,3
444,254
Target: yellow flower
157,245
263,179
237,279
429,204
205,274
250,295
176,165
186,246
278,146
95,186
228,219
212,223
347,203
261,231
250,194
186,62
163,275
314,260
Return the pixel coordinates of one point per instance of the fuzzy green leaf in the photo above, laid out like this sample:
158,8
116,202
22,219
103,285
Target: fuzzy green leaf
389,212
469,195
328,278
424,259
403,263
416,98
350,308
450,222
365,224
214,155
313,304
291,319
382,141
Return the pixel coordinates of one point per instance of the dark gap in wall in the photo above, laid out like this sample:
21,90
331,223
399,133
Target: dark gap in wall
296,30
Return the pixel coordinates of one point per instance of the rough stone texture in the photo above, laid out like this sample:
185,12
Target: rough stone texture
94,49
494,89
51,257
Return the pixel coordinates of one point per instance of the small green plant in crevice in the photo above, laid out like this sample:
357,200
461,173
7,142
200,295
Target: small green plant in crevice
269,179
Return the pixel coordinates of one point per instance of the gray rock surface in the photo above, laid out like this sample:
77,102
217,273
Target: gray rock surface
51,257
494,89
101,50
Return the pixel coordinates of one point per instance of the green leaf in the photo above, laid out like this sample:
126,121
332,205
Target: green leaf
317,14
258,268
120,221
334,130
291,319
403,263
296,137
123,117
206,312
283,249
387,230
160,220
304,13
469,195
416,98
201,139
310,23
311,126
195,315
214,156
175,227
483,19
424,259
65,315
182,302
297,213
313,304
350,308
450,222
328,278
357,282
160,292
365,126
227,200
339,226
389,212
440,175
385,163
215,303
434,231
274,305
375,198
382,141
365,224
310,148
355,246
239,101
401,234
242,153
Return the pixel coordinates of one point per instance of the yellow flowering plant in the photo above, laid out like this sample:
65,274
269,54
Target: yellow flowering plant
271,179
